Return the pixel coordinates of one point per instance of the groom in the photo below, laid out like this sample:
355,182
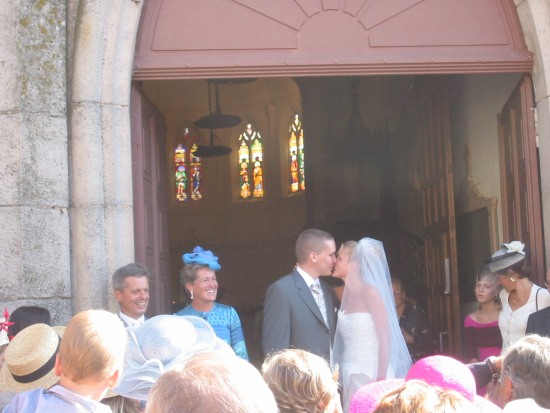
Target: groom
299,309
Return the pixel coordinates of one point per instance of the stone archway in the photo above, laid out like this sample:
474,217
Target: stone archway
101,220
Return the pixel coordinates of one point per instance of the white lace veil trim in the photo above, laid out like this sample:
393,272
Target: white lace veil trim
368,290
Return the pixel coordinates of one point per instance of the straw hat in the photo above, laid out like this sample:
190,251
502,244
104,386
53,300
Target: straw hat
30,359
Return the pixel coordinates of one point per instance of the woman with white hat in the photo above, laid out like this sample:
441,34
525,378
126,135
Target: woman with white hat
519,295
161,344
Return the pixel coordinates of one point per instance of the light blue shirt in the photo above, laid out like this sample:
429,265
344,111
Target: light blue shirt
57,399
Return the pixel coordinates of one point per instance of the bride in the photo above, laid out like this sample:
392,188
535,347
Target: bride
369,345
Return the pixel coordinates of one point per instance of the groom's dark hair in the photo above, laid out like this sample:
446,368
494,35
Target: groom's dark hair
310,240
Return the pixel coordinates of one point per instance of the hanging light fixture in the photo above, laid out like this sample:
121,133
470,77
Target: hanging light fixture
351,147
212,149
217,120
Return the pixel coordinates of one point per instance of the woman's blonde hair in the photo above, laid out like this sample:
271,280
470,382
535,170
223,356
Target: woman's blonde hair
485,272
419,397
348,247
300,381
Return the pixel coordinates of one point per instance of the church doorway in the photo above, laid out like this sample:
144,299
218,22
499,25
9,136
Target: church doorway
391,151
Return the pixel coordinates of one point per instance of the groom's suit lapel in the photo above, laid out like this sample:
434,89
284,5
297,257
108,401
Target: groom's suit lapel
305,294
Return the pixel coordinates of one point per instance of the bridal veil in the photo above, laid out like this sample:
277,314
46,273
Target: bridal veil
368,290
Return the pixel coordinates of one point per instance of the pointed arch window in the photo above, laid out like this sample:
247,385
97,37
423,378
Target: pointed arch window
251,170
296,155
187,169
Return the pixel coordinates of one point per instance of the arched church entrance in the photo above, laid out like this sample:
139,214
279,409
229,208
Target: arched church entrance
399,104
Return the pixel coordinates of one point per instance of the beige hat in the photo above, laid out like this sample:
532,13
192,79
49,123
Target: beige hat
30,359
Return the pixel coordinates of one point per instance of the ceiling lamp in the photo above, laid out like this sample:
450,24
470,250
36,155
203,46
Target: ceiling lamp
215,118
212,150
351,147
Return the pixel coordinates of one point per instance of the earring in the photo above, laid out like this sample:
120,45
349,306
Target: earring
191,292
513,279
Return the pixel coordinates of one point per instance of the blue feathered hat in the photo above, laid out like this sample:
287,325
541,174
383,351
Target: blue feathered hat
202,257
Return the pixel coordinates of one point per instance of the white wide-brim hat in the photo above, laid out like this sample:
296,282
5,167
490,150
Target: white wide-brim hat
30,359
160,344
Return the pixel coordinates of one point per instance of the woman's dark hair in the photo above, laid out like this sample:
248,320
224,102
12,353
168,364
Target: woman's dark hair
522,268
25,316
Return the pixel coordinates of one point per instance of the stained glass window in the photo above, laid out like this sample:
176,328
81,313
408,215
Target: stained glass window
251,170
188,169
296,155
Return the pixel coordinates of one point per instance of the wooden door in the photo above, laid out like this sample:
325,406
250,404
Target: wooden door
519,175
151,198
436,183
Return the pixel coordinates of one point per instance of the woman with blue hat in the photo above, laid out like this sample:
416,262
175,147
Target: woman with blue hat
198,278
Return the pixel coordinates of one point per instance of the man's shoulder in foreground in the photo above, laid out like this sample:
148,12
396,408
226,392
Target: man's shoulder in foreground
539,322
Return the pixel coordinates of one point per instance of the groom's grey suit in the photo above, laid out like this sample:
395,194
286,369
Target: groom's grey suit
292,318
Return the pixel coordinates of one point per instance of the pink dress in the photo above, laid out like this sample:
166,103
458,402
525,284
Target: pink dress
481,340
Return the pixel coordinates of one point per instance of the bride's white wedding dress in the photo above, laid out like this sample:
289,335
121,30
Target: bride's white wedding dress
359,362
368,344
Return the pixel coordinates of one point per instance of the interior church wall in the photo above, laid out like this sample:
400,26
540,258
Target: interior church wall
253,238
475,102
342,196
350,188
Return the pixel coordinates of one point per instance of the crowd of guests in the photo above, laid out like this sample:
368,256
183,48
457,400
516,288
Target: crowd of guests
383,358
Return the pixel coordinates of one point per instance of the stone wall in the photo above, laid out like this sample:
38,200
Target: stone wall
34,176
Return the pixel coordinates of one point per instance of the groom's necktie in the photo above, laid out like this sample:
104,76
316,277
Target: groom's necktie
319,299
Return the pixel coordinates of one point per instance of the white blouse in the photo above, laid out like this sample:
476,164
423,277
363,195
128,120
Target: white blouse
512,323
